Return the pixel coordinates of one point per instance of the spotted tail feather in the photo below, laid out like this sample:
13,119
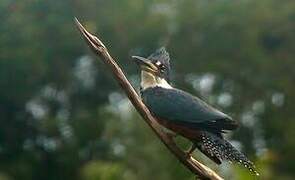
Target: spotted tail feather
223,150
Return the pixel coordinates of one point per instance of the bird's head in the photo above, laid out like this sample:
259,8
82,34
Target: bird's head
156,65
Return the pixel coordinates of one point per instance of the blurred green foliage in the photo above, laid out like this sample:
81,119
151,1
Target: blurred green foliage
64,117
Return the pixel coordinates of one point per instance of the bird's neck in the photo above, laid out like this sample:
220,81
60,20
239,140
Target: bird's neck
150,80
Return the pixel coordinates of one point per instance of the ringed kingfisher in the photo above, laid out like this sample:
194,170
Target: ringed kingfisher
185,114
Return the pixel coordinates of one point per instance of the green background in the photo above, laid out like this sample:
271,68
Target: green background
63,116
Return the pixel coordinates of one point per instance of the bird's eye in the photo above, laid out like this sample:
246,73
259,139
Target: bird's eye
162,68
158,63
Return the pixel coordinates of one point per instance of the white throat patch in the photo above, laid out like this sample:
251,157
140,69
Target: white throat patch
149,80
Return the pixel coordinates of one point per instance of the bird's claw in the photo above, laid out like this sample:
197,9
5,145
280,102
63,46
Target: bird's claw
171,134
190,151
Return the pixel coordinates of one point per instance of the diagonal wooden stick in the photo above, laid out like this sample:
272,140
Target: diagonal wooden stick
202,171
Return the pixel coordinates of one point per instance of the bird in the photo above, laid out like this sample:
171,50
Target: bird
185,114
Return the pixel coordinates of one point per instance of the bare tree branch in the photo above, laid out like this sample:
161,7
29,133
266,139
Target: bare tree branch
202,171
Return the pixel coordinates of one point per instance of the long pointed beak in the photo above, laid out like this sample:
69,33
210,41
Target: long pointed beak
141,60
145,64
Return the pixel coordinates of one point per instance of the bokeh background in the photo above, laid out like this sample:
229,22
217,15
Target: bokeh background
62,115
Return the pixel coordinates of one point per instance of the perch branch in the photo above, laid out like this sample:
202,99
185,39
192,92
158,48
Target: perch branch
202,171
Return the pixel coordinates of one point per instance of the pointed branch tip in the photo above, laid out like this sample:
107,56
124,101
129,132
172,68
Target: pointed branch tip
94,43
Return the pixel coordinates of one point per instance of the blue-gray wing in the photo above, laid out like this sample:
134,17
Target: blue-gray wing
183,108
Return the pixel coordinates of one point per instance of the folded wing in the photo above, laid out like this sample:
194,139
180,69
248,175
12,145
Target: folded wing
182,108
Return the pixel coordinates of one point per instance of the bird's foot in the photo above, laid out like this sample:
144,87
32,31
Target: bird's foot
190,151
170,133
